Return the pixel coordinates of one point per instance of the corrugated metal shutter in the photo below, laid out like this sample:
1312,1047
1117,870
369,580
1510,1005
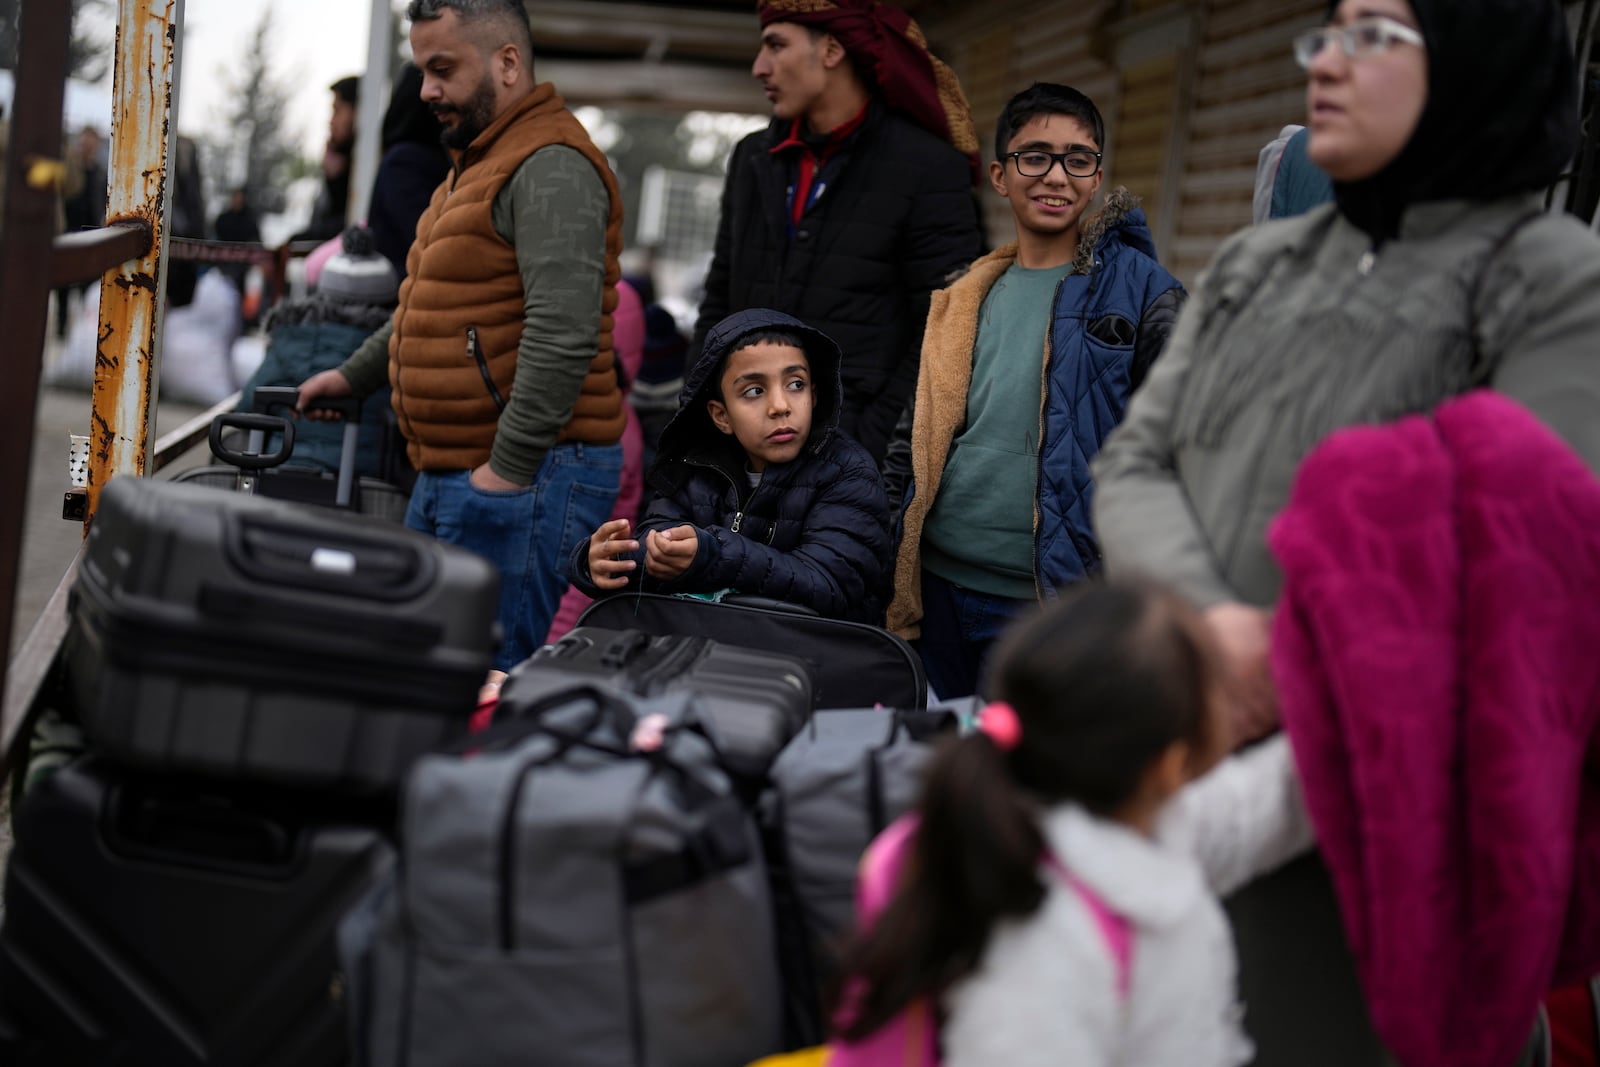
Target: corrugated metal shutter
1141,142
1000,49
1242,87
1247,89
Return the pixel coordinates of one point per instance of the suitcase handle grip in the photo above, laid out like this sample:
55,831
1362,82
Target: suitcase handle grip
245,420
216,835
267,398
347,406
750,600
624,649
381,566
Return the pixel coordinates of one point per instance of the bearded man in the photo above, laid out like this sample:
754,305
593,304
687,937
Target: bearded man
499,355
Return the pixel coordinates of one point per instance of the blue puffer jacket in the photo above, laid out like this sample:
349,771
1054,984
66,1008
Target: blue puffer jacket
1111,318
1108,326
815,531
311,335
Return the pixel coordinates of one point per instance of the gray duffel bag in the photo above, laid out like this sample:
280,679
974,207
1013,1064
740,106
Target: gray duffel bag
565,900
834,787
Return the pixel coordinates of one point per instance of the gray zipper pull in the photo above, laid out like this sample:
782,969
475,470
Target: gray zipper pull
738,520
1369,259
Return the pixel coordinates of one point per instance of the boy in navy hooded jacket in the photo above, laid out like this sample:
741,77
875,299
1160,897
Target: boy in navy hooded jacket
758,490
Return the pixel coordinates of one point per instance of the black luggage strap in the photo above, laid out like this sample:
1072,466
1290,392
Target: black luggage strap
531,721
918,726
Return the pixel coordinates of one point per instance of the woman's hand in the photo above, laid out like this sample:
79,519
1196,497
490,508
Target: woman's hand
605,545
1244,635
668,553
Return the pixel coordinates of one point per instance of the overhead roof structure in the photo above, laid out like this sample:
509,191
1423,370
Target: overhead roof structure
659,54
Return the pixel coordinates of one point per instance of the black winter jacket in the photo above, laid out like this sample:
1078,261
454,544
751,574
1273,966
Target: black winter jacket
895,220
815,531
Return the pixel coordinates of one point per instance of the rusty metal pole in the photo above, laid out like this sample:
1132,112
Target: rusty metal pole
33,178
132,296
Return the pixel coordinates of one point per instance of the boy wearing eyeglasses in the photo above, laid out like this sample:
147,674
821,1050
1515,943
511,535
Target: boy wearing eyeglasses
1027,364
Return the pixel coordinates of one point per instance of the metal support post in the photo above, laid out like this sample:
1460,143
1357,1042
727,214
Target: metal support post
128,357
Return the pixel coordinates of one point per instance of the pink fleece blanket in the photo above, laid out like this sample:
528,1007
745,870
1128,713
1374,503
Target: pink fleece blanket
1437,649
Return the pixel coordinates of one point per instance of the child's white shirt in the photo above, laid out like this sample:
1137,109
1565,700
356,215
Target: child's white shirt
1046,993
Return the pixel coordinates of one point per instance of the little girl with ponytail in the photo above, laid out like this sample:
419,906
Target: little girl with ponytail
1053,898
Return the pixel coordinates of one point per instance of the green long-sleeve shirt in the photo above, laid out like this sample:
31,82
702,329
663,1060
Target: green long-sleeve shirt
553,211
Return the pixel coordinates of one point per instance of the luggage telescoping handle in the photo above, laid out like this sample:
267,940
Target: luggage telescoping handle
251,458
267,399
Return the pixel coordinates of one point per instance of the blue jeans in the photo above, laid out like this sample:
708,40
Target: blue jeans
528,534
959,629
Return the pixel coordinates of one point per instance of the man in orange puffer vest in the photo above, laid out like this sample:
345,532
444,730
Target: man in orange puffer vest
499,355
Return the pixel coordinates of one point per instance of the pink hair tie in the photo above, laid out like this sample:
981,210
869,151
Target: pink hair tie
999,723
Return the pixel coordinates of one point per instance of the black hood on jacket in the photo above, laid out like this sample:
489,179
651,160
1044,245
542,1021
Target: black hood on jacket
1501,116
409,120
692,435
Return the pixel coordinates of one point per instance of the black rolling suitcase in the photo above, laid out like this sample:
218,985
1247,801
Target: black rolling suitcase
257,453
261,641
852,664
166,923
754,701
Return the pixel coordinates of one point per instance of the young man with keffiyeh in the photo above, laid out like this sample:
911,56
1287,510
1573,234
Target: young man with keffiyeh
856,202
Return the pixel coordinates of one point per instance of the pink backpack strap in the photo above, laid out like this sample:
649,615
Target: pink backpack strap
910,1039
880,869
1114,929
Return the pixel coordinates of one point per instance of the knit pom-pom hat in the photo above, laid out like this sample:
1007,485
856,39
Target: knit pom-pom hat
356,274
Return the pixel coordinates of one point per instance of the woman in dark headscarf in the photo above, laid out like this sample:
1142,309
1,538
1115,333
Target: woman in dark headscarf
1441,123
413,165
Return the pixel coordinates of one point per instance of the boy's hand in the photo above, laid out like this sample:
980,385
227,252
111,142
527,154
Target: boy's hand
605,544
668,553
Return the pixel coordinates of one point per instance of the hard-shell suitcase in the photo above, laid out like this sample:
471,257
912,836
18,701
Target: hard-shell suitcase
168,923
227,634
754,701
853,665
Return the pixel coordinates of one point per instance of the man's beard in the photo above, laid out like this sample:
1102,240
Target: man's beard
472,117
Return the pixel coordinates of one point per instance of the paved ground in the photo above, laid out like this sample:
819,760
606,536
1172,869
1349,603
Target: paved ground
48,541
